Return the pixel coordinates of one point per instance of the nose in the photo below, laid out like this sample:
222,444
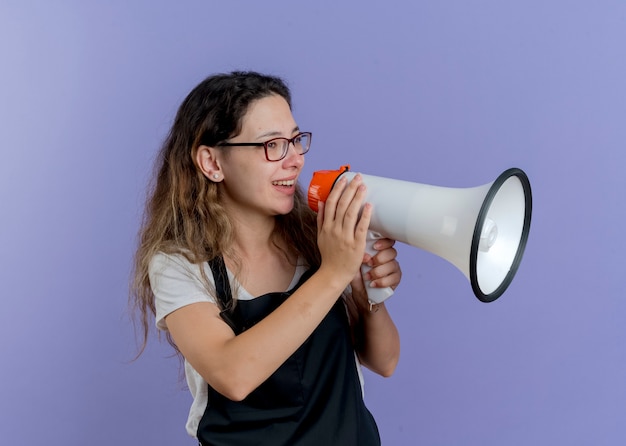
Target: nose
293,157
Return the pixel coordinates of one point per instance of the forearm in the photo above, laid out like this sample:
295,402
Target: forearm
236,365
377,340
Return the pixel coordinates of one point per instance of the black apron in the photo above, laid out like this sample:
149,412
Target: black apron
313,399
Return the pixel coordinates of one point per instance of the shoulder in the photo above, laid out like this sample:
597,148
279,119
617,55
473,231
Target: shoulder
162,261
176,282
174,269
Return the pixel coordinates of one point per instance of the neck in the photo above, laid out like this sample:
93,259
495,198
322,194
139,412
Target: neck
253,237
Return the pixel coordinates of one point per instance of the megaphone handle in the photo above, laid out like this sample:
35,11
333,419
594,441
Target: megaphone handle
374,295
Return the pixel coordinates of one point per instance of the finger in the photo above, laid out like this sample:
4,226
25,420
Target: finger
391,281
383,256
353,217
384,243
350,201
362,226
383,270
320,216
332,201
386,275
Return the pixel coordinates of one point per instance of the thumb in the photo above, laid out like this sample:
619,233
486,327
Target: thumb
358,285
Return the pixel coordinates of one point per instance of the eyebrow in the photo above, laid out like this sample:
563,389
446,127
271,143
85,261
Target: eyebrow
276,134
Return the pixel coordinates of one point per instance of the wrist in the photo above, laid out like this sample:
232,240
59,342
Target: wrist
331,280
367,307
373,308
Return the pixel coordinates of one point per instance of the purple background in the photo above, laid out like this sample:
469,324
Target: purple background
448,93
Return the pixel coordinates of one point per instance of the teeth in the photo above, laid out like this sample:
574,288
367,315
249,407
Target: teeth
284,183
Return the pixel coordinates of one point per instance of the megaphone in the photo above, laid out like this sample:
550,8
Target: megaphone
481,230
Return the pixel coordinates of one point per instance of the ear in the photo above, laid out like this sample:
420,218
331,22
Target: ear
206,159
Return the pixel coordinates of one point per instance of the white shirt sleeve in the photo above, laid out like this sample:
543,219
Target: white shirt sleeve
175,283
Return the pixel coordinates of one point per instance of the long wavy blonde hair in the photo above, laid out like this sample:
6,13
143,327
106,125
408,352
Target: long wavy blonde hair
183,212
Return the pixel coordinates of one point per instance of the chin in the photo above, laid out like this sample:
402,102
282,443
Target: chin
285,209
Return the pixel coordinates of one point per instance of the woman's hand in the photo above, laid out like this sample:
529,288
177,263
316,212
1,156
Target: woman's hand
385,270
342,223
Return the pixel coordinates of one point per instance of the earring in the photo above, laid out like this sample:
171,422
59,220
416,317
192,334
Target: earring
216,176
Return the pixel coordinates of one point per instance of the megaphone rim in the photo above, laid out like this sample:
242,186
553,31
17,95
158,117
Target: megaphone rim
482,215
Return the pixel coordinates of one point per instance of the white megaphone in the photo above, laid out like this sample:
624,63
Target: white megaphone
481,230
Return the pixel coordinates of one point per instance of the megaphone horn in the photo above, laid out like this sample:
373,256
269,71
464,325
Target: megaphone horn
481,230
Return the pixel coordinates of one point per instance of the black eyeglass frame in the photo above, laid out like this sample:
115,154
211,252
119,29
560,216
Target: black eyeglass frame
264,144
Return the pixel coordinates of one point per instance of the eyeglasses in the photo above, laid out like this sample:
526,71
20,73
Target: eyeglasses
276,148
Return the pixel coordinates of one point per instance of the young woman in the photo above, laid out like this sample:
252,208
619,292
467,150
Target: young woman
263,298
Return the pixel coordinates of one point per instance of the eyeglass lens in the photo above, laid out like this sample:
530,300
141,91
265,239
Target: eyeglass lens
277,148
